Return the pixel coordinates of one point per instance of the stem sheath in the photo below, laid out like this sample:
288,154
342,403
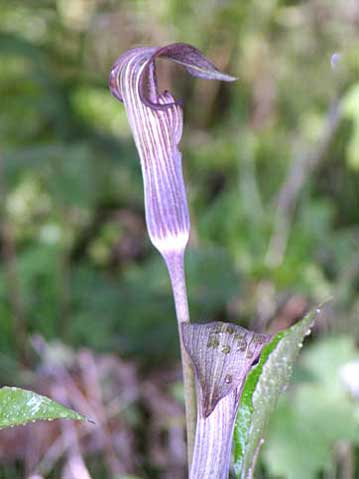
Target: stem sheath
212,450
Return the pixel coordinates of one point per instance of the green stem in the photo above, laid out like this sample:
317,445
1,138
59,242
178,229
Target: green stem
175,265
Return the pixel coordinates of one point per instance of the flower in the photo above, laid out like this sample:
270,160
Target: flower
156,120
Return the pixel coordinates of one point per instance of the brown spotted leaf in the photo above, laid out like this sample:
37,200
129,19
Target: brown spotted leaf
222,355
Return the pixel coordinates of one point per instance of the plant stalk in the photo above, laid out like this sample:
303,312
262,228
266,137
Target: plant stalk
175,265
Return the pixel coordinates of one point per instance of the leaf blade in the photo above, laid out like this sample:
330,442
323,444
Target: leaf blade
20,406
261,391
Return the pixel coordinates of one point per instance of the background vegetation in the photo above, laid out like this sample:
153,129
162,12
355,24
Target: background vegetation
271,164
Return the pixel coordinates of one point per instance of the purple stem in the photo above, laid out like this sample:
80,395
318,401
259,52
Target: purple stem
175,265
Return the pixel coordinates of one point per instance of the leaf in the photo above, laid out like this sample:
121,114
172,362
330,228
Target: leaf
19,407
261,391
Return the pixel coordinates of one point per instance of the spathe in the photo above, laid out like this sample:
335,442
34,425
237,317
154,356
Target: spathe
156,120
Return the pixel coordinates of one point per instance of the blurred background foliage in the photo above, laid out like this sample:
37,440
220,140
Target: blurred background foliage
271,164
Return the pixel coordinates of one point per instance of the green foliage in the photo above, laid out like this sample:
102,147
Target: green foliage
19,407
318,412
261,391
350,107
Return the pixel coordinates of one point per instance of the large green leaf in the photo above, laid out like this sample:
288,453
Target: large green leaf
19,407
261,391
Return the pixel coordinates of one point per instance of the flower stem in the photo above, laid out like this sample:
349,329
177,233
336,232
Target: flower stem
175,265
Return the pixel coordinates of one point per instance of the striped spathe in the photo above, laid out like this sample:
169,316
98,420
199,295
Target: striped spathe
156,121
